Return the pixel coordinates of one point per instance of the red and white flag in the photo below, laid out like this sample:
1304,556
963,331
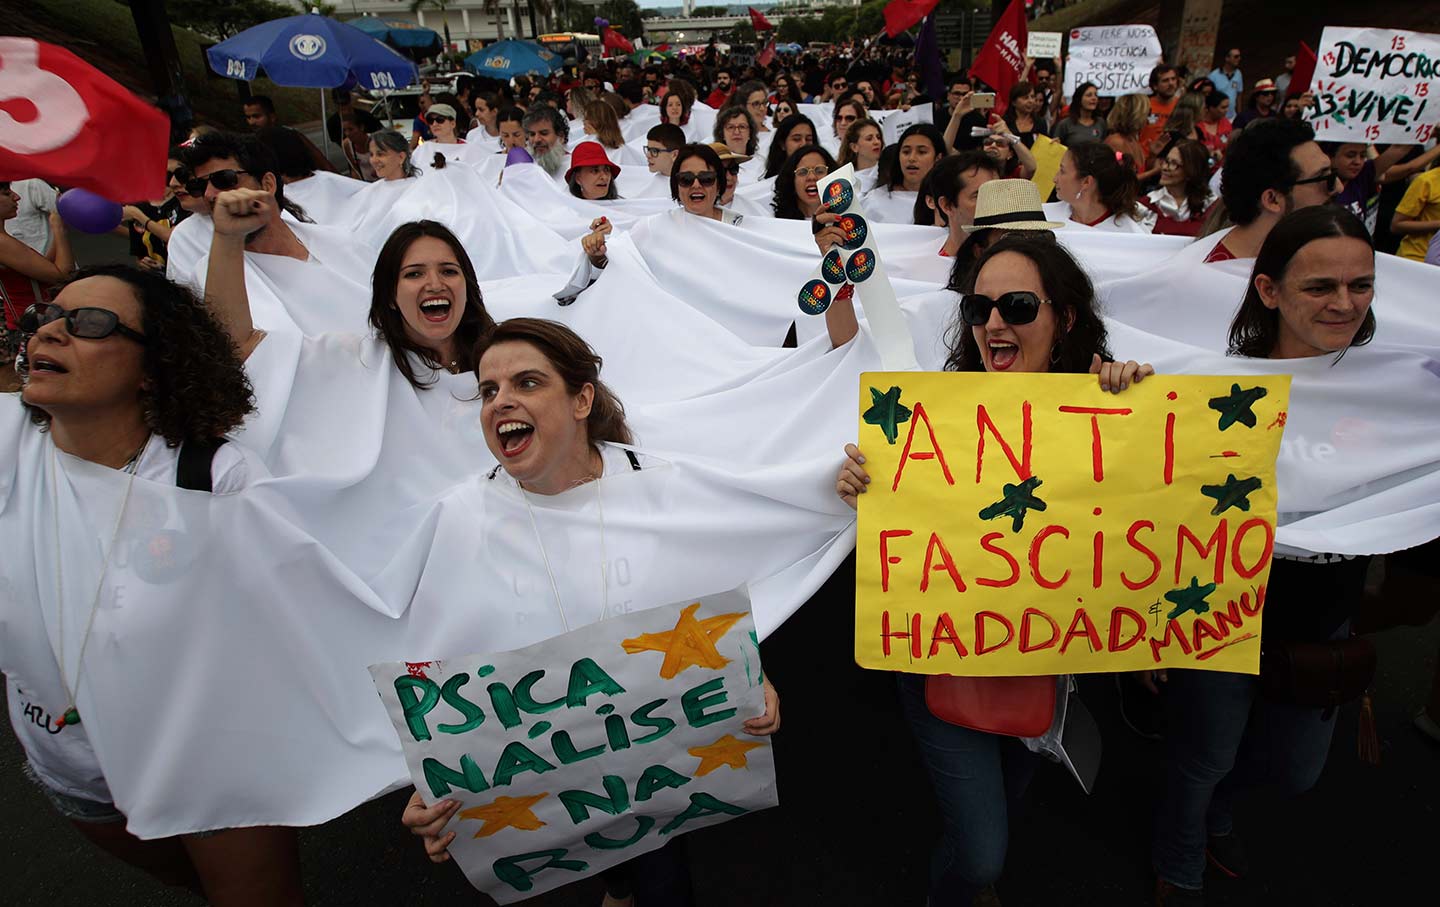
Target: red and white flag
613,40
64,121
1002,59
758,20
902,14
767,56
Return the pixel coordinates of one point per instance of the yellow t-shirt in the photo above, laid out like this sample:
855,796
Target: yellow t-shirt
1421,202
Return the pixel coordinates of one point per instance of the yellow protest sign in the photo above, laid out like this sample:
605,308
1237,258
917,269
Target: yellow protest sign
1034,524
1048,153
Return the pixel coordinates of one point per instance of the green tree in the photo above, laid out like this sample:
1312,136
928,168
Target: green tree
221,19
621,14
703,12
441,6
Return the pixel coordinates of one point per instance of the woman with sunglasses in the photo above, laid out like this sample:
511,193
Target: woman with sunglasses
1027,307
148,224
797,188
23,274
1014,159
447,142
128,372
1309,297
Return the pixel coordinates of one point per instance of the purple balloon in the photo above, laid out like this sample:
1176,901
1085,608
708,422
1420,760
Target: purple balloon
518,156
88,212
601,23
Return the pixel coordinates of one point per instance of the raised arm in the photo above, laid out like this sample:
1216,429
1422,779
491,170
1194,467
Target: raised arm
1394,170
1028,165
952,128
19,257
236,215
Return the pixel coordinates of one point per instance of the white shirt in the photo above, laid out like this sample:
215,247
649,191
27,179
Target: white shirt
31,225
63,758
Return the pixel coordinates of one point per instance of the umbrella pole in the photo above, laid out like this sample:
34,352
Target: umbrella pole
325,127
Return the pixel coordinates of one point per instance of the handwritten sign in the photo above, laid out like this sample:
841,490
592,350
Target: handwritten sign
1033,524
1116,58
1043,45
1376,85
591,748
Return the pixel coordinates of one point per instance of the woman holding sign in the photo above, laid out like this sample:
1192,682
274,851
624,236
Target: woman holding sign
1026,307
1309,296
568,482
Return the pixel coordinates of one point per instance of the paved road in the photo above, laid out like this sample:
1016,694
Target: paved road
856,820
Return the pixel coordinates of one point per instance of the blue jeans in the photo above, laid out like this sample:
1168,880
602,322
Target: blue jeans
1223,737
979,779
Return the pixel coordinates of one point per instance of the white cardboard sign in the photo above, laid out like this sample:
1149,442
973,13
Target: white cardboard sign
1376,85
590,748
1043,45
1116,58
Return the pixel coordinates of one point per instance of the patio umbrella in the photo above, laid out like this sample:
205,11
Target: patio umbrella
311,52
401,35
510,58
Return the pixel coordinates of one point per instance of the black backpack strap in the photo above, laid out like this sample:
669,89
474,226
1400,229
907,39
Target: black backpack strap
634,460
196,458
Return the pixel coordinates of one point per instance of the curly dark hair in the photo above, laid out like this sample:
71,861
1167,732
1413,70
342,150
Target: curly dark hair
389,324
1072,297
786,202
197,389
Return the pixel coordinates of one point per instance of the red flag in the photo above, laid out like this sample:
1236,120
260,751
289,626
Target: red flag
758,20
767,56
64,121
617,42
901,14
1304,70
1002,59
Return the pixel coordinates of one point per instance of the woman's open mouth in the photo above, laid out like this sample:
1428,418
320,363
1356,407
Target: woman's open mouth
515,436
1003,354
435,309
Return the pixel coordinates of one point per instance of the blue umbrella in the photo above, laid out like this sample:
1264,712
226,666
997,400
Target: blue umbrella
507,59
311,52
398,34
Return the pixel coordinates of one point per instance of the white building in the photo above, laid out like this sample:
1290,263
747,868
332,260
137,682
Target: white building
469,20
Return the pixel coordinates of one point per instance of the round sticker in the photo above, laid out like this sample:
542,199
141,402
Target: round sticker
855,229
814,297
832,268
838,196
861,265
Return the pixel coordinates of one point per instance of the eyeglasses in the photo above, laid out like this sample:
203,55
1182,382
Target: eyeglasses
737,127
1018,307
845,119
1168,164
87,322
817,171
179,175
436,118
1329,178
705,178
652,152
222,180
839,86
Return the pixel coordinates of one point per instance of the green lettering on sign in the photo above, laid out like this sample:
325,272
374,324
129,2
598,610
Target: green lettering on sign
657,778
526,699
474,715
642,718
643,824
517,758
416,707
614,801
510,871
441,778
565,750
702,805
586,679
697,699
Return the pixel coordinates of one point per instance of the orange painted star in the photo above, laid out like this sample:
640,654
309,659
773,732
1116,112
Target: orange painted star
692,642
728,750
505,812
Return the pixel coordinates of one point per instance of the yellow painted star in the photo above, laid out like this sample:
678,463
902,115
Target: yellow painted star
505,812
728,750
692,642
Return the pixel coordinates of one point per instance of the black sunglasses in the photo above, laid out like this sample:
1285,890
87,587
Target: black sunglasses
687,179
1019,307
222,180
432,120
86,322
179,174
1329,179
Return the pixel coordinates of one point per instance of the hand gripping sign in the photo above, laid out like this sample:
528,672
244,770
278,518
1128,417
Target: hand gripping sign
590,748
855,262
64,121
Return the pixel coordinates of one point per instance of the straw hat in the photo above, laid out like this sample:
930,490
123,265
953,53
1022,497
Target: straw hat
1010,205
726,154
590,154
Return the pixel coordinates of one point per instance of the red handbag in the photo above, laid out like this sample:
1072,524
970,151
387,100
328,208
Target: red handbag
1012,706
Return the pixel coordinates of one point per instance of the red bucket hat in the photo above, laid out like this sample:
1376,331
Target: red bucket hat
590,154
